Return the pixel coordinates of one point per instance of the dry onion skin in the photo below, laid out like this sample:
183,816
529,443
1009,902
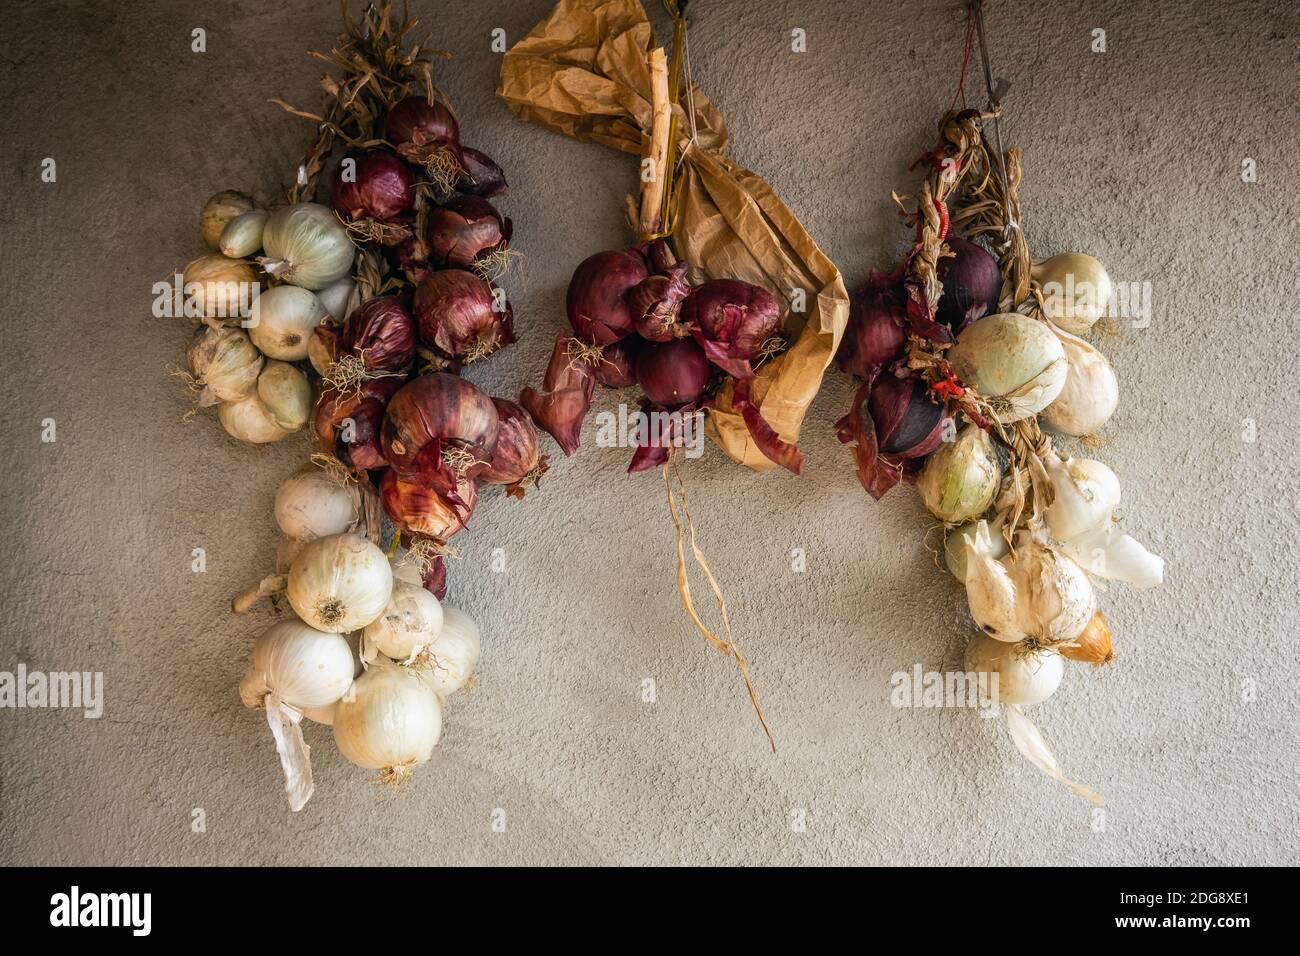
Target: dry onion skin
1093,646
340,583
224,364
217,213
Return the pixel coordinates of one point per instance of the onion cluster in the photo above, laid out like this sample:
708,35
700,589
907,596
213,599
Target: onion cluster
637,320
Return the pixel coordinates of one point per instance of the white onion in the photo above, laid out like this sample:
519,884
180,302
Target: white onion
1076,290
1022,678
410,623
217,213
390,722
321,715
224,362
216,287
286,552
337,298
961,478
306,245
1014,361
302,666
285,393
314,502
1090,394
1036,593
243,234
340,583
282,321
1085,495
454,653
248,420
954,547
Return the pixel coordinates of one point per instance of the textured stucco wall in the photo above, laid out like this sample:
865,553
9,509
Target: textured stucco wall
1133,155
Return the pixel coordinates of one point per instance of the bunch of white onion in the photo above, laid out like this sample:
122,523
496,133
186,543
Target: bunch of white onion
261,396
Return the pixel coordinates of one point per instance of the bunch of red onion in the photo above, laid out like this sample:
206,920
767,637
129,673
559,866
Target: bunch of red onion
637,320
895,422
426,134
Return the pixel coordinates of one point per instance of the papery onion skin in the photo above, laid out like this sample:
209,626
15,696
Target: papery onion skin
415,118
656,304
456,313
617,365
381,187
672,373
954,548
416,507
347,422
463,230
1093,646
876,332
596,300
340,583
480,175
738,315
225,362
517,454
381,333
217,213
390,723
560,406
972,284
893,423
440,407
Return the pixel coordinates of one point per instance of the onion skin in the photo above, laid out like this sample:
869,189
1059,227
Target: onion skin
597,297
416,120
735,314
517,456
617,365
480,175
455,315
438,408
656,304
382,188
381,333
673,373
1093,646
893,425
464,230
417,508
972,284
365,407
565,397
876,331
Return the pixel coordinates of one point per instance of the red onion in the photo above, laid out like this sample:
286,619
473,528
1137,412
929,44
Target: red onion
875,334
972,284
596,301
895,423
416,120
439,428
480,176
347,421
672,373
420,509
381,188
381,333
737,315
617,365
656,303
456,315
562,404
463,230
517,459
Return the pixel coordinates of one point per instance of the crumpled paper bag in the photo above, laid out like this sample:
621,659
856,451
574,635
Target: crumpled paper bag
582,72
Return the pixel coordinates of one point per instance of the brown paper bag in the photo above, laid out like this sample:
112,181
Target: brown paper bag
582,71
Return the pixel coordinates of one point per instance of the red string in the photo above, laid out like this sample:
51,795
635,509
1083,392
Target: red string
965,60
